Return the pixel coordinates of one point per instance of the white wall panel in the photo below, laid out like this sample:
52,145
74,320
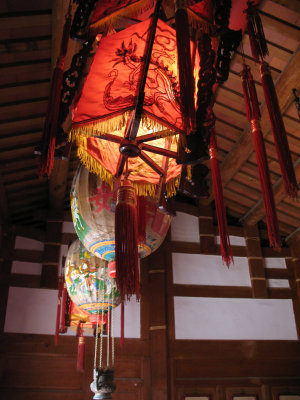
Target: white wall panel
27,268
132,319
68,227
278,283
31,311
63,251
234,240
185,228
199,269
28,244
234,319
272,262
34,311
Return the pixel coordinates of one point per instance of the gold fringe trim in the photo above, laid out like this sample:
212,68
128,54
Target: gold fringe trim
132,10
142,188
189,172
199,23
171,186
94,166
96,128
117,123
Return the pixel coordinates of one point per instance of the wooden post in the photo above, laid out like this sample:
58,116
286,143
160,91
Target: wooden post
206,230
294,262
158,332
51,252
7,242
256,262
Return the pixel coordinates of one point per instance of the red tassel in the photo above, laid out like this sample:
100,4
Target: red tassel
141,202
126,244
60,288
51,121
185,65
279,133
122,340
226,251
253,115
63,312
80,349
266,185
255,30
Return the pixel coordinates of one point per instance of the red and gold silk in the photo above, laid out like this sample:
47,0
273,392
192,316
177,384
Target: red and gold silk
110,94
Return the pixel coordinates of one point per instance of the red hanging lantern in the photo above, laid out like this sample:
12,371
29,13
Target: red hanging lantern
110,128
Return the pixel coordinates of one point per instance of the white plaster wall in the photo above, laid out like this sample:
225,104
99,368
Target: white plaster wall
199,269
68,227
272,262
63,251
28,244
26,268
278,283
34,311
31,311
234,240
234,319
185,228
132,319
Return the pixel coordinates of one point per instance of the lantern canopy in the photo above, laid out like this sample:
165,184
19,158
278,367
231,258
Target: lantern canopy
106,109
92,207
88,283
110,12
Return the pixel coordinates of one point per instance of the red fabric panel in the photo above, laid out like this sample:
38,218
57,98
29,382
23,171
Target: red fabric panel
105,8
113,82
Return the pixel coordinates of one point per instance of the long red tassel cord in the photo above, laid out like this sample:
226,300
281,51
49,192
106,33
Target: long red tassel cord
122,335
253,115
141,211
58,312
126,242
185,64
51,121
80,349
64,309
259,50
279,133
226,251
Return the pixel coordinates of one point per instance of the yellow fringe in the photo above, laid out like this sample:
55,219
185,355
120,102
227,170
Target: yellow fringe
132,11
95,167
199,23
172,185
142,188
189,172
117,123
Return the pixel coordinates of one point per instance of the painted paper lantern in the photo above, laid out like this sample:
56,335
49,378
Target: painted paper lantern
106,110
87,282
92,203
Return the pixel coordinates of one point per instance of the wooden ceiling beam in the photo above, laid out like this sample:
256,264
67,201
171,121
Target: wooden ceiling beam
290,4
243,149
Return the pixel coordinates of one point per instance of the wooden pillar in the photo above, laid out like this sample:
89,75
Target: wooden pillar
158,332
294,266
51,252
255,262
206,230
266,392
7,243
